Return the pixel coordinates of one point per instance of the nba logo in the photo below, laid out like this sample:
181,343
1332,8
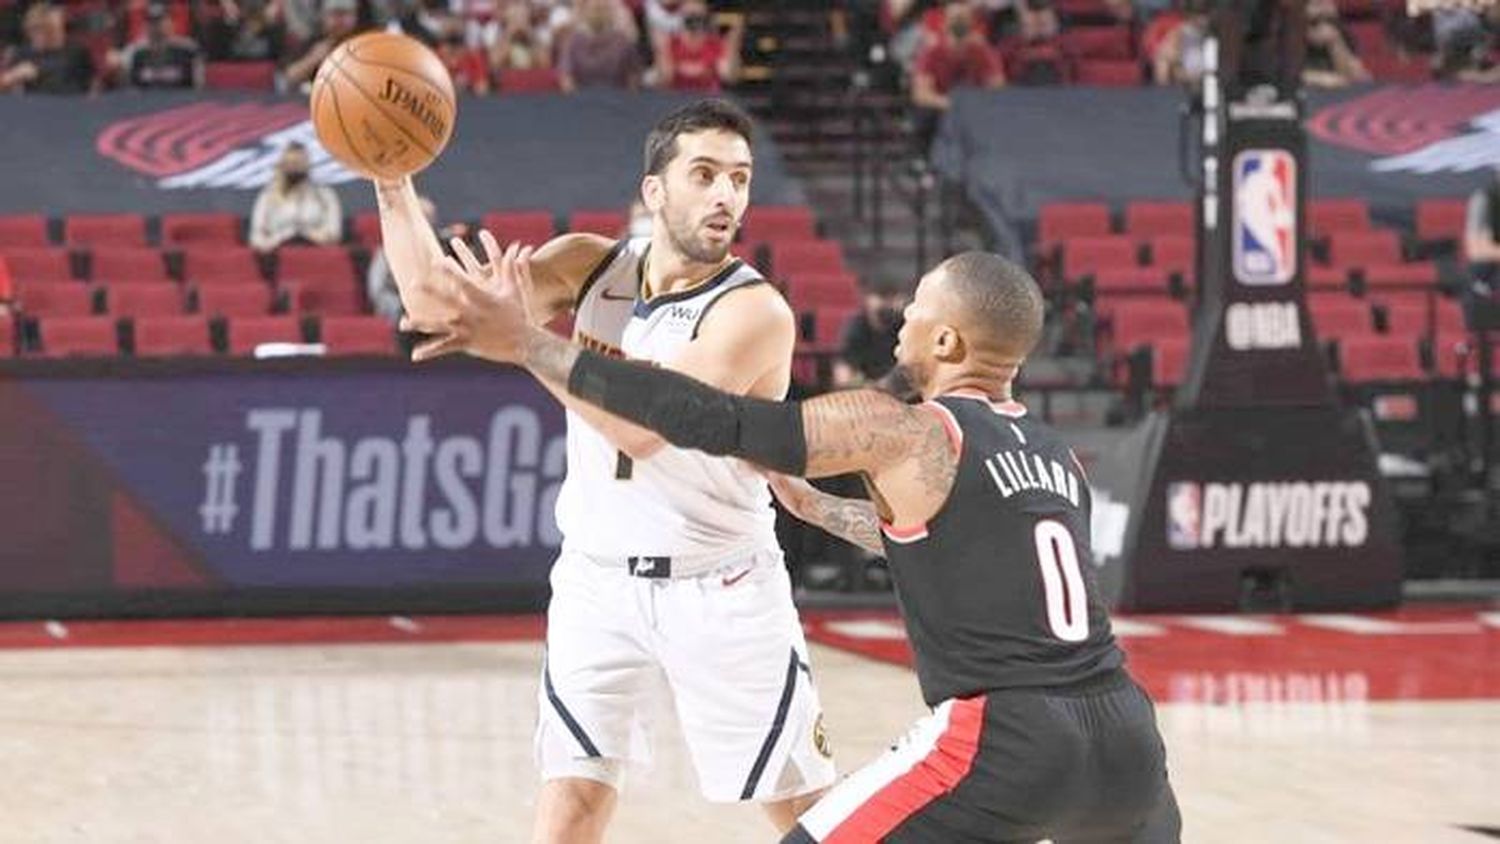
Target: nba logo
1265,216
1184,512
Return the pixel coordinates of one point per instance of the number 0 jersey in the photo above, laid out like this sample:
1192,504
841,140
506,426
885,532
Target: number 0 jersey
998,589
676,503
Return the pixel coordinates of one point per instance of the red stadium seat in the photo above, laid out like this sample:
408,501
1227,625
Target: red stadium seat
49,298
367,228
167,336
1326,216
206,265
143,300
1415,274
598,221
1169,360
532,228
1453,353
325,297
765,223
8,336
239,76
1134,322
1040,63
23,230
1364,248
1375,357
1175,254
359,335
129,265
1100,42
540,80
825,329
34,264
1105,73
89,336
314,263
233,300
811,291
1413,316
1327,278
105,230
1131,281
1159,219
1059,221
791,258
1340,317
210,229
246,333
1441,220
1084,255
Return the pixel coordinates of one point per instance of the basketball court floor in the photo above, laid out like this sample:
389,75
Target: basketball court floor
1328,728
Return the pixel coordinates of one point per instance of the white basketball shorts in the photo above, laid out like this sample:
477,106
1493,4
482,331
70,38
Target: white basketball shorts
726,645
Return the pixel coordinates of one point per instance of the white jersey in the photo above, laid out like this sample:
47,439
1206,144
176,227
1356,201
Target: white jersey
677,503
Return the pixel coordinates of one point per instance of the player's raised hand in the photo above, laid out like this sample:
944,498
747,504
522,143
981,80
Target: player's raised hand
480,309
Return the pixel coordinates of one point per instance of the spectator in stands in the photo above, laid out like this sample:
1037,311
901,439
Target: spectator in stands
292,209
1482,233
467,65
1329,61
246,31
1177,58
868,348
1038,20
1465,57
47,63
663,19
412,19
600,52
301,18
339,21
160,59
699,58
523,42
960,58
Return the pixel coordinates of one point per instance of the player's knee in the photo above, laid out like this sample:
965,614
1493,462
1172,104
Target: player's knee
576,807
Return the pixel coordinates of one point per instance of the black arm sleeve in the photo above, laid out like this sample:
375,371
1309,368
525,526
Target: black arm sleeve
691,414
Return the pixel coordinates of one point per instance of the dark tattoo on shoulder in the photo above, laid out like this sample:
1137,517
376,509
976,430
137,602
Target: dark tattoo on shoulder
863,429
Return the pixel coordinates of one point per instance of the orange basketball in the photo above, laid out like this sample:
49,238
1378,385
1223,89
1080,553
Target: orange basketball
383,105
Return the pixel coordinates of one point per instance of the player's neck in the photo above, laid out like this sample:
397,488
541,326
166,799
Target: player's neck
666,271
971,384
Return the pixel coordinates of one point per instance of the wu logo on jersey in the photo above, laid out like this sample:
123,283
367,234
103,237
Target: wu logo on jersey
1265,216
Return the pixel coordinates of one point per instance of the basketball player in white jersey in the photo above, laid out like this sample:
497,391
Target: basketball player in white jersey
669,578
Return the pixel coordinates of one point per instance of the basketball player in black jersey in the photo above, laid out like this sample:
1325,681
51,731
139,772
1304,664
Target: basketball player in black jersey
1037,731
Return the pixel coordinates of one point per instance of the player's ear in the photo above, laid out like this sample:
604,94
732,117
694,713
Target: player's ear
947,344
651,193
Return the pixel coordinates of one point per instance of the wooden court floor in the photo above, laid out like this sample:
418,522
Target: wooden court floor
418,739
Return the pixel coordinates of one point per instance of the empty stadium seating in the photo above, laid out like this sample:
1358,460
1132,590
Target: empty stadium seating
357,335
163,336
246,333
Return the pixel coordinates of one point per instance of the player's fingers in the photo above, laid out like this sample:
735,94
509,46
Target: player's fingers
466,256
492,249
436,348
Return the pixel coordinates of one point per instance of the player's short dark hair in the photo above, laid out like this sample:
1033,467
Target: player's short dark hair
701,116
1004,299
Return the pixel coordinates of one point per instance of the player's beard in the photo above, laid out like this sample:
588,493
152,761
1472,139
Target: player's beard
903,382
685,238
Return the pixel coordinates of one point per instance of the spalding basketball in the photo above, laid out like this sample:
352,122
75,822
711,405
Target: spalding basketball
383,105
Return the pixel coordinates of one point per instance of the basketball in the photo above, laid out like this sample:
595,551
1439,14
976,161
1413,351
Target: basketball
383,105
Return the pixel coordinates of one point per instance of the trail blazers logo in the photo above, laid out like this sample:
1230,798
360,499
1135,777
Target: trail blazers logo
1430,129
216,145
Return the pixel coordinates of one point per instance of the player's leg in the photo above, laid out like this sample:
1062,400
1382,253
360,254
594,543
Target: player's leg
737,667
597,676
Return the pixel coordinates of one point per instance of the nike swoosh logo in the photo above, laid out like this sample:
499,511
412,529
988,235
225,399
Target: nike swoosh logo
730,581
611,296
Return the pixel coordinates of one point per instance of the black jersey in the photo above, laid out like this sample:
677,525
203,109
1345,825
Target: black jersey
998,589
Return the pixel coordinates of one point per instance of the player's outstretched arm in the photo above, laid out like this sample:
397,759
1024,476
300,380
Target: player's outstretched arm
905,450
850,519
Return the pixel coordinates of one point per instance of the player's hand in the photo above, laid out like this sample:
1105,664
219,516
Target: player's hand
477,309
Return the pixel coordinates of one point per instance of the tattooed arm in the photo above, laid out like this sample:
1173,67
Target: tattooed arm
850,519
